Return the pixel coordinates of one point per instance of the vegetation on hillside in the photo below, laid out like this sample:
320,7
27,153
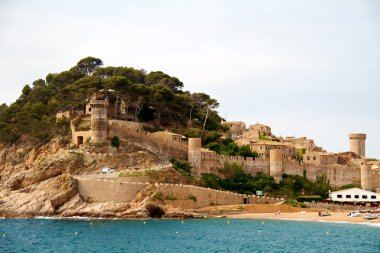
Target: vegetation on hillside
290,186
153,97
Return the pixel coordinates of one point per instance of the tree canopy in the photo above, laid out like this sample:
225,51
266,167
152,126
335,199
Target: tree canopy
154,97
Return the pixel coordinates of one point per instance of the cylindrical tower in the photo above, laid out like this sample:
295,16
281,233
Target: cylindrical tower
366,177
98,120
357,144
194,155
275,164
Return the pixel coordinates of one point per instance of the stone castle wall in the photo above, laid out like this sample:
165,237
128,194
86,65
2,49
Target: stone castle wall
337,174
131,131
103,190
206,197
186,196
213,163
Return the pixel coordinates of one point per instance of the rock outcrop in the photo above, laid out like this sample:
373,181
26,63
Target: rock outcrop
38,181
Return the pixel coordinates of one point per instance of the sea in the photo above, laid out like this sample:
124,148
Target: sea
200,235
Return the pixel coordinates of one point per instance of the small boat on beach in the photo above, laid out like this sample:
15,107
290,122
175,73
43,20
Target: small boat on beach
354,214
370,216
324,214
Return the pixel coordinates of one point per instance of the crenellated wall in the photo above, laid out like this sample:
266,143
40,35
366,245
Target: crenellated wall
190,196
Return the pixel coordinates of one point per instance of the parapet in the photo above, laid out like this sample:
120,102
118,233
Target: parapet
358,136
96,102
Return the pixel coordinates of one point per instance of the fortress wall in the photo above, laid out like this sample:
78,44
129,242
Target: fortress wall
214,163
206,196
375,176
292,167
133,132
111,190
100,190
337,174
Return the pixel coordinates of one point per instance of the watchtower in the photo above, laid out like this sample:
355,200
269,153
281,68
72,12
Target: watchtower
357,144
98,119
275,164
194,154
365,177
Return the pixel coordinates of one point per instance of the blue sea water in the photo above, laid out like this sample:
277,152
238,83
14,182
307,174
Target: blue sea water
204,235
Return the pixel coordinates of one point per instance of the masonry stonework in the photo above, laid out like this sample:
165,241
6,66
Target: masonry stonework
99,120
275,164
357,143
365,177
194,155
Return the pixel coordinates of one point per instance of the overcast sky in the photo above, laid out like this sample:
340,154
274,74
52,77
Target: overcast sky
306,68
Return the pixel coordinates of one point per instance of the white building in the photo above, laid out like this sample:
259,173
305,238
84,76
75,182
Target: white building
355,195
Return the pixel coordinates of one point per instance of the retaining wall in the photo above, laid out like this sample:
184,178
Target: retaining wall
206,197
102,190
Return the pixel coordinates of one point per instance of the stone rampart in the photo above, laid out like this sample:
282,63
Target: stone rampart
186,196
103,190
213,163
164,149
191,197
337,174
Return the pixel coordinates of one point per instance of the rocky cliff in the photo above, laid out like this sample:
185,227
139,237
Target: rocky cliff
38,181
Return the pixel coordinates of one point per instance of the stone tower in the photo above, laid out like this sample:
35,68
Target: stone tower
194,155
99,120
357,144
275,164
365,177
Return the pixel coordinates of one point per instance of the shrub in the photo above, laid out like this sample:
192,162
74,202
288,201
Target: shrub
194,198
154,210
158,196
115,142
171,197
179,165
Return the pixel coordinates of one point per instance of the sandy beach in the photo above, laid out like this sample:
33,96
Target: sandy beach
285,212
306,216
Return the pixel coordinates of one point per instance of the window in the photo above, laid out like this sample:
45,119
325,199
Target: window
348,196
373,196
364,196
339,196
356,196
314,158
308,158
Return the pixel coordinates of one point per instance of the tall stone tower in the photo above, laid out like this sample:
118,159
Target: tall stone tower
194,155
275,164
98,120
366,177
357,144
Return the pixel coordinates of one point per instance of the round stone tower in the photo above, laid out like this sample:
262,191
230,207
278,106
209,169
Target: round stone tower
275,164
365,177
194,155
98,120
357,144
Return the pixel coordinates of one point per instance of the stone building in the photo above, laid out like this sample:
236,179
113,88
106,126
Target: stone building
300,143
320,158
236,127
255,131
263,148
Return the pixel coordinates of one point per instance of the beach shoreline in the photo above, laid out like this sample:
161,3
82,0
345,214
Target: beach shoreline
336,217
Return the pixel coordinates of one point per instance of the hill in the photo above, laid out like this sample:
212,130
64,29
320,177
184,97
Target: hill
153,97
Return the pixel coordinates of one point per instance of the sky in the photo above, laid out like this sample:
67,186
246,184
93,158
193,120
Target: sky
305,68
